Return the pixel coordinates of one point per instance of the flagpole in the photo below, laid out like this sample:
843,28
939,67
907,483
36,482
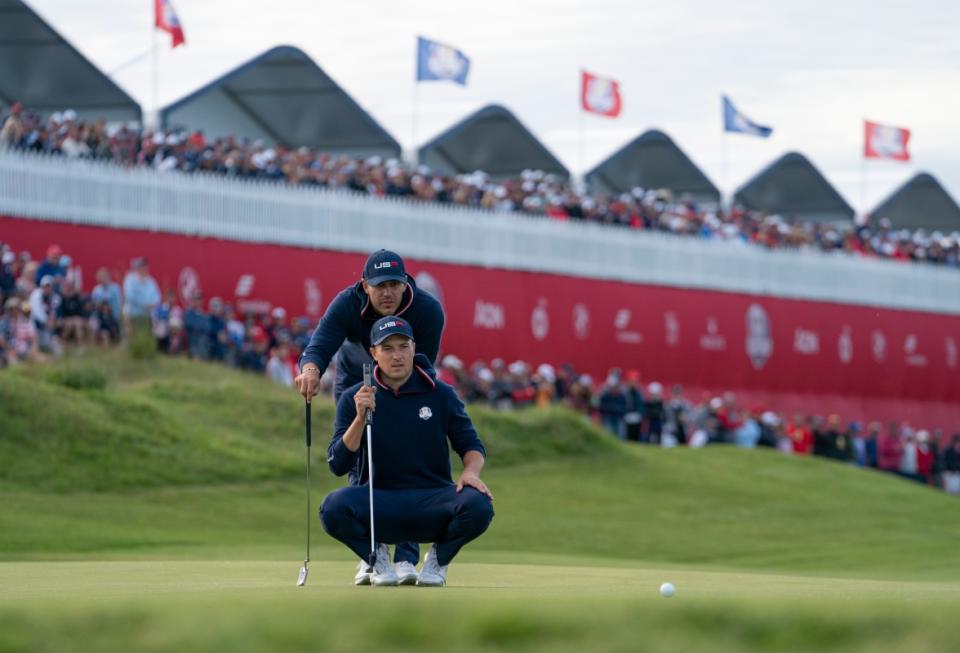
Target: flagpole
863,183
580,164
153,63
723,172
415,118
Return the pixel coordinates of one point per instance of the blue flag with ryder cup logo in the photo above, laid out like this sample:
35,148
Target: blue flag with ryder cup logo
436,61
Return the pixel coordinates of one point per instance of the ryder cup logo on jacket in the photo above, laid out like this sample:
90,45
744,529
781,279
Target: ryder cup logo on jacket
426,413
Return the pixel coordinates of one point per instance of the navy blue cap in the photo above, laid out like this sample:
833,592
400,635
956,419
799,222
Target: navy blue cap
389,326
384,265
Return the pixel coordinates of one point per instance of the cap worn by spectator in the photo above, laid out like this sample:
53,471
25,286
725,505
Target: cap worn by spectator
54,251
9,257
389,326
382,266
46,280
12,302
278,313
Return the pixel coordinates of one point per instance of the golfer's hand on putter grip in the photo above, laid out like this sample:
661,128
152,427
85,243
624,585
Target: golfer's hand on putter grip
308,382
364,400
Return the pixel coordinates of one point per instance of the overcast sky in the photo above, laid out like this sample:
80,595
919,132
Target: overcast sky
812,70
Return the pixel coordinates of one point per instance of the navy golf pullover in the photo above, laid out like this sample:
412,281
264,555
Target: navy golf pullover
350,317
410,432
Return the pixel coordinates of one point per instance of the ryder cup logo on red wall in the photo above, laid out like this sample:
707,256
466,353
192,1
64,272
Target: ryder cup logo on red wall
540,320
759,336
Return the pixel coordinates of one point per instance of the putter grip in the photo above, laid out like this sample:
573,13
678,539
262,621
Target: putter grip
367,381
309,435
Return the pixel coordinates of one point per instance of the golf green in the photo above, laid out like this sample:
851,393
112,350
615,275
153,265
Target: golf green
159,506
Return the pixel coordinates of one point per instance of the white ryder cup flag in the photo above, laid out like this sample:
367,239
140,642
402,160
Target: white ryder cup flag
436,61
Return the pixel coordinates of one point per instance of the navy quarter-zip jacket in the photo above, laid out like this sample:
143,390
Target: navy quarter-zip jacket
350,317
411,428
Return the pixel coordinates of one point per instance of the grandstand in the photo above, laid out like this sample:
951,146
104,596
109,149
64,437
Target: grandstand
606,281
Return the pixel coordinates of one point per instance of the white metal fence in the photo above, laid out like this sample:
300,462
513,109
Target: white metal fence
102,194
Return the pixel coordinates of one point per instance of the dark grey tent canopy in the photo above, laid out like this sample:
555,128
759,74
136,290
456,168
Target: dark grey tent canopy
46,74
493,140
921,203
652,160
282,96
792,187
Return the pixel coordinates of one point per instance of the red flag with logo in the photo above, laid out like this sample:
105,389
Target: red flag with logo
600,95
165,19
885,142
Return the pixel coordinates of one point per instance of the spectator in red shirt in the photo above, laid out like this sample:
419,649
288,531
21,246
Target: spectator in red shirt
802,436
925,456
889,449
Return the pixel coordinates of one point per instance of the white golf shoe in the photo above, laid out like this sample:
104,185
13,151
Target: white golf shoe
383,572
363,573
431,573
406,572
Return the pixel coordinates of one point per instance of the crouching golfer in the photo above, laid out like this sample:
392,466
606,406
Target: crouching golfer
415,498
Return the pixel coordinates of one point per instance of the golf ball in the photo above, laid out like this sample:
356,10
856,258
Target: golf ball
667,590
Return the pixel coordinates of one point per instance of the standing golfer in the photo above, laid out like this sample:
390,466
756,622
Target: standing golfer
414,496
344,331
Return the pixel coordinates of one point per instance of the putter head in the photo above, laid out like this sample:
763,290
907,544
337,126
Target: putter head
302,578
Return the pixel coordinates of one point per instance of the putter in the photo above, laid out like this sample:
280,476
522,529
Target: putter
368,418
302,578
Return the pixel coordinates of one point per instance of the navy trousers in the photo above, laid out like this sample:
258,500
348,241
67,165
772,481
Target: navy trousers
444,516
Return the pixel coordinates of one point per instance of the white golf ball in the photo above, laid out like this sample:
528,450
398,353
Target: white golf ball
667,590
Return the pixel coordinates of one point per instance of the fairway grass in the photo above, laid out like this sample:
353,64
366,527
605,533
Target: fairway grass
252,605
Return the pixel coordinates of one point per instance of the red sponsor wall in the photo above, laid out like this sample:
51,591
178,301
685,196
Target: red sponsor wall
862,362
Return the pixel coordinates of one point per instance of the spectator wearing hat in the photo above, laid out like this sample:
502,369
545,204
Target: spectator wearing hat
50,266
676,415
926,456
8,274
140,295
655,413
44,303
612,404
344,331
633,418
26,344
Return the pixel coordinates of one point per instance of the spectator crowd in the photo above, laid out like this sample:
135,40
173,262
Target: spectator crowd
648,413
533,192
45,308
